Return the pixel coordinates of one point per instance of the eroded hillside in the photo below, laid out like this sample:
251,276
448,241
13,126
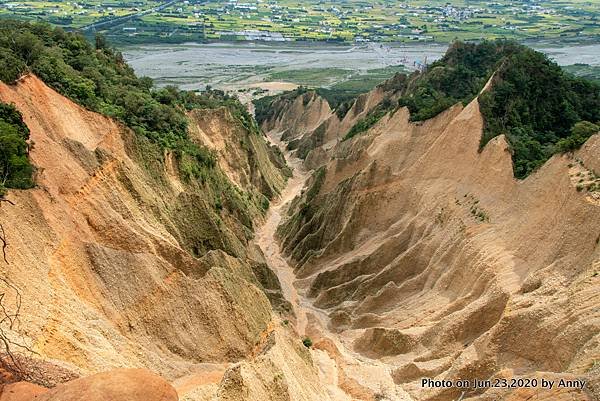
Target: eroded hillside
309,126
174,236
123,262
427,255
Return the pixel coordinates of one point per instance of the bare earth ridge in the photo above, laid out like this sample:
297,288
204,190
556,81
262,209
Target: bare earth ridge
423,253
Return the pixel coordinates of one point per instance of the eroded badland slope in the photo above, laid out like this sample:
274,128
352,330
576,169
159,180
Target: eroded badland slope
428,256
310,127
412,251
122,262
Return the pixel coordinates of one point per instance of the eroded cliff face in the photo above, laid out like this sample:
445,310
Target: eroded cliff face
312,129
247,159
427,255
297,116
417,255
121,262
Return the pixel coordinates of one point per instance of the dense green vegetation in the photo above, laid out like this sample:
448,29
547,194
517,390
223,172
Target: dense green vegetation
580,133
15,168
537,105
540,108
456,77
98,79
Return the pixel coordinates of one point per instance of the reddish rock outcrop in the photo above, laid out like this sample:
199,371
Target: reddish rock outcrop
115,385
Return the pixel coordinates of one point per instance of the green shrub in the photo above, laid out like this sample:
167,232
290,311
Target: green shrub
264,203
15,169
580,133
307,342
11,67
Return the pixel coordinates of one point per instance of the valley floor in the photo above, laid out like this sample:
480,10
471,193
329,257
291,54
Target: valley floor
347,375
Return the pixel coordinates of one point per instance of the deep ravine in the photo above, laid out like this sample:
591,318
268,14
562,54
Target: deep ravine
347,375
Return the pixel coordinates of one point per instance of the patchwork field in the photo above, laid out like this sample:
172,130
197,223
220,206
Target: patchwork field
146,21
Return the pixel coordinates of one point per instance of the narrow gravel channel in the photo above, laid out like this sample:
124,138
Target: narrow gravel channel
347,375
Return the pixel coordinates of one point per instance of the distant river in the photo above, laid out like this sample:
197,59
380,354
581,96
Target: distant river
232,65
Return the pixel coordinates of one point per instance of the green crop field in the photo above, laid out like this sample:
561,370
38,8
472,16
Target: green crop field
337,21
585,71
